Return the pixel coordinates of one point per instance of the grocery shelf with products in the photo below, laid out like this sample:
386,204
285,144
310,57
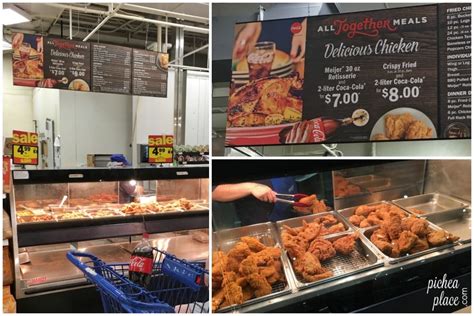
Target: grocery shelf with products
381,229
103,212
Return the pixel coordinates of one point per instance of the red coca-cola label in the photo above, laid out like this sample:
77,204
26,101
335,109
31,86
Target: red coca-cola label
141,264
296,27
318,133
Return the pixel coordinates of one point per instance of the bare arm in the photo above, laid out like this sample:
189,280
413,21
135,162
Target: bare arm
232,192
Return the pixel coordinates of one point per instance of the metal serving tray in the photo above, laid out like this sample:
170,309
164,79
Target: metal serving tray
348,212
431,203
225,239
363,258
368,232
298,221
457,222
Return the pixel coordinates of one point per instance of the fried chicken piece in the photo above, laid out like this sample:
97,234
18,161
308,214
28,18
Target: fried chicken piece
373,219
326,220
419,227
396,125
273,252
421,244
232,264
233,294
319,206
364,224
382,214
240,251
418,130
217,257
406,241
381,240
217,299
333,229
292,230
322,249
228,277
345,245
395,249
310,230
393,225
259,284
440,237
248,265
364,210
254,244
418,211
295,245
356,219
313,271
397,210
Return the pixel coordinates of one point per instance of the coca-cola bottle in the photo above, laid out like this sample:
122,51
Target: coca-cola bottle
141,263
331,125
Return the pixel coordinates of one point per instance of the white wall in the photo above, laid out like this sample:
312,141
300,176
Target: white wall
152,116
197,108
94,123
17,103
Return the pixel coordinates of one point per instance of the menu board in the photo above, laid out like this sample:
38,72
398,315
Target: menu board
150,73
66,65
111,68
360,77
48,62
455,70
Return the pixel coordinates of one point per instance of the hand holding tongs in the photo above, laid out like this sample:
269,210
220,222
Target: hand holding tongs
293,199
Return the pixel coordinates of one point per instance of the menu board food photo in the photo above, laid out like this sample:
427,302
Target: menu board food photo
385,75
27,59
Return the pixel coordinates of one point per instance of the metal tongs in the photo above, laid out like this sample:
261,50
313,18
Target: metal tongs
293,199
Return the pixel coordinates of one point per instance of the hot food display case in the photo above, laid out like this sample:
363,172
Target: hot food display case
103,212
389,232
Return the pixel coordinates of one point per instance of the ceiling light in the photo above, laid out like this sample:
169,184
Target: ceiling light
6,45
14,15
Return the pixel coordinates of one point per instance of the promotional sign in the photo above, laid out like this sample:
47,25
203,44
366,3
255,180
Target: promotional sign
25,148
66,65
160,148
49,62
387,75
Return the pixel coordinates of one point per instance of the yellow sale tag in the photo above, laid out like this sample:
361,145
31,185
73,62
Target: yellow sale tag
25,154
160,154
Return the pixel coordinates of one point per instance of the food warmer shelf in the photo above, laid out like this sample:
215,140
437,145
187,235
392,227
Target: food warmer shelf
380,268
51,232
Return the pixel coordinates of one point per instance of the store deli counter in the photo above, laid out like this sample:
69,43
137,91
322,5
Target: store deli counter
104,212
356,270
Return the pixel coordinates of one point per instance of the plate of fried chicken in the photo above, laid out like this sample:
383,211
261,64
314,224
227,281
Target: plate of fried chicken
322,248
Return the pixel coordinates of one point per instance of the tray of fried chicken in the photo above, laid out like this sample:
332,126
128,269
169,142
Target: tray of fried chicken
399,238
248,266
369,215
320,254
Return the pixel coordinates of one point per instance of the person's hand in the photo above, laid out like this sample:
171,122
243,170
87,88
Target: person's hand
299,133
246,40
17,39
298,44
264,193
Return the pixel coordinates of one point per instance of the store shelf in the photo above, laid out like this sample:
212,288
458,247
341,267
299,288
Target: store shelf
88,229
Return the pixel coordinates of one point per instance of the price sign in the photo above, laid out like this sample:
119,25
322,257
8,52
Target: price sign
160,148
25,154
25,148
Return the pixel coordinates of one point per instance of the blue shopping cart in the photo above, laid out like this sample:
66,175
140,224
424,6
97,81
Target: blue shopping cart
176,285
